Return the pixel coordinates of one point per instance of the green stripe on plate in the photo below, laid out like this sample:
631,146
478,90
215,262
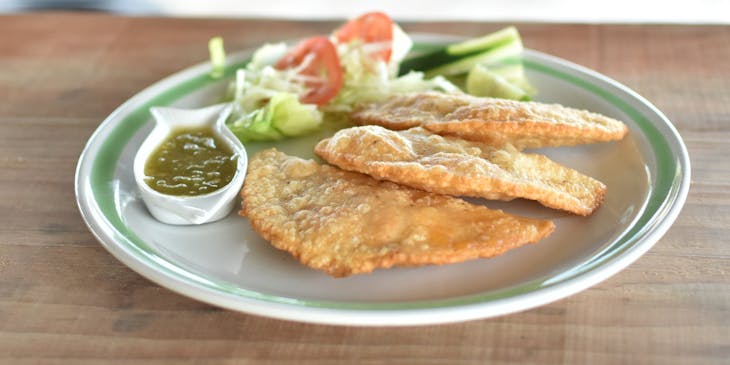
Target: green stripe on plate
111,148
667,167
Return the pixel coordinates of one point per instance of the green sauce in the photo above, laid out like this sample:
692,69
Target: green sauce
191,161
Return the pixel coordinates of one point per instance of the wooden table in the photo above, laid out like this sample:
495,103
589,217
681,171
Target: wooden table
65,300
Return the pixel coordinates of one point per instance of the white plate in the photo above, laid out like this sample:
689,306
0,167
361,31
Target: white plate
228,265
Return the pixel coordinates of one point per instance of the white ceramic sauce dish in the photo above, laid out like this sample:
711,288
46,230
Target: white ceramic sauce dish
184,209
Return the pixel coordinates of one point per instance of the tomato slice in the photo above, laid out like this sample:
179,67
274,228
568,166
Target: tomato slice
322,68
375,27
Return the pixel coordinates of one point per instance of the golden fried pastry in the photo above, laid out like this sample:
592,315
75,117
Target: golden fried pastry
446,165
346,223
495,121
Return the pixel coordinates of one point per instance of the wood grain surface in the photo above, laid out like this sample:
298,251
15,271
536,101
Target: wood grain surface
65,300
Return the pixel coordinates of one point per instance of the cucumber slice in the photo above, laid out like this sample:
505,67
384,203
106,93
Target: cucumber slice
465,64
481,44
461,57
514,73
483,82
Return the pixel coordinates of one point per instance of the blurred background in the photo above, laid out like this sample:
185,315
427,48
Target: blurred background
615,11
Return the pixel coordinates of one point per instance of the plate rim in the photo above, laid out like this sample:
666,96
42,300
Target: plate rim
422,312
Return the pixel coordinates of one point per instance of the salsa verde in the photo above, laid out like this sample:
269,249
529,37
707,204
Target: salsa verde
190,162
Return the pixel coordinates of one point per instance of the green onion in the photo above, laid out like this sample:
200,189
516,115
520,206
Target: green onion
217,57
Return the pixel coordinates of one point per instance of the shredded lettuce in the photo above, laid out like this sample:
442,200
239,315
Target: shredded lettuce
282,116
291,117
266,100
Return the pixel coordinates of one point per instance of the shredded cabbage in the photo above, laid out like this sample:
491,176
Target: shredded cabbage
259,81
369,80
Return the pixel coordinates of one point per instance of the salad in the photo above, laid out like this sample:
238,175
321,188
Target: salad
289,90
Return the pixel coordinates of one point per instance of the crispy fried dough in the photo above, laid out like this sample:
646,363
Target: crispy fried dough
446,165
346,223
494,121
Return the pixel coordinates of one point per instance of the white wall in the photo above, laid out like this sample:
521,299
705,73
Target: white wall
586,11
682,11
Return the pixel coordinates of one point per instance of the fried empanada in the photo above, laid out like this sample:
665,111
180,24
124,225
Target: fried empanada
523,124
346,223
445,165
